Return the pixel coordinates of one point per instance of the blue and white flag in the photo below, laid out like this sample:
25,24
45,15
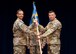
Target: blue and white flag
34,14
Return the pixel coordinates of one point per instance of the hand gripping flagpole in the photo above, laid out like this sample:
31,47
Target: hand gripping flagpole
39,41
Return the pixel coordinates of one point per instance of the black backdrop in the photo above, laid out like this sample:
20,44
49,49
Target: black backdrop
65,11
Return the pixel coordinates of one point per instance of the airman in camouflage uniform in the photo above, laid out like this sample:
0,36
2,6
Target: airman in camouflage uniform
53,34
20,33
34,44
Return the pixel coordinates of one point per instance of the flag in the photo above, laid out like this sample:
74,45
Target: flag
34,14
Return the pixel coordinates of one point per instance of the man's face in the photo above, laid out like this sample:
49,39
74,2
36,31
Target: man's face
52,16
20,15
35,22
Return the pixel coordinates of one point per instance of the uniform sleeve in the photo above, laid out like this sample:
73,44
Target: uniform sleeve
23,27
41,29
41,26
31,26
51,30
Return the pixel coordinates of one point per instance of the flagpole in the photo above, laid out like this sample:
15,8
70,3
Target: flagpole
38,34
34,14
39,41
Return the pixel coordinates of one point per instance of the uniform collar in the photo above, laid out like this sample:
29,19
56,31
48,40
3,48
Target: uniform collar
19,19
53,20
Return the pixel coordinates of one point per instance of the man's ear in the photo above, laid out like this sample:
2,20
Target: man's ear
55,15
16,14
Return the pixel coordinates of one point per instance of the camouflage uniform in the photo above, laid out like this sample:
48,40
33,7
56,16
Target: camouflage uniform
20,31
53,36
34,45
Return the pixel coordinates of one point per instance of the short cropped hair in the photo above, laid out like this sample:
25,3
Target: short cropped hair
51,11
19,10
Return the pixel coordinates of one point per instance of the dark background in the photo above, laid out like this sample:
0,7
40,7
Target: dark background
65,11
